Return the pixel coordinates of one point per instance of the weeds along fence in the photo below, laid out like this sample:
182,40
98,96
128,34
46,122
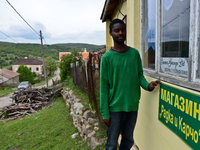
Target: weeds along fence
87,78
79,76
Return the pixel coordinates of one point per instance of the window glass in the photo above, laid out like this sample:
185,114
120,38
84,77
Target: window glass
149,34
125,21
175,19
198,71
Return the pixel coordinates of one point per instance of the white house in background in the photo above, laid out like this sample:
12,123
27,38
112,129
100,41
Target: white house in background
8,77
34,65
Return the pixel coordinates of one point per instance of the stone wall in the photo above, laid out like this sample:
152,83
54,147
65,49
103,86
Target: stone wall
12,82
84,120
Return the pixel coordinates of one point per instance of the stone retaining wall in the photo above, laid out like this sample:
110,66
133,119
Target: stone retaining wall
84,120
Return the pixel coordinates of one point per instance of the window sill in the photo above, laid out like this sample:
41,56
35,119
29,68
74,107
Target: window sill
173,80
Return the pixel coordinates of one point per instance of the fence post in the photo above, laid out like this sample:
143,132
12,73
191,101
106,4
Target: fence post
72,66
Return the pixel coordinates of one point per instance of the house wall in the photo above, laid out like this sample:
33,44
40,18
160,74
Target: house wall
33,68
150,133
12,82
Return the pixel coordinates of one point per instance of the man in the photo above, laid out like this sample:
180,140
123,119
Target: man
121,78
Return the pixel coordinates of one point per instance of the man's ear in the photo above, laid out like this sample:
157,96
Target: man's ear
110,33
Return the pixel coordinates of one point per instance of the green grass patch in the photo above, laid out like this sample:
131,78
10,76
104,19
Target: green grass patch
43,82
79,93
50,128
6,90
9,67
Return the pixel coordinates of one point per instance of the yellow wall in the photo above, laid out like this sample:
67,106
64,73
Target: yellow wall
116,14
150,133
133,24
108,37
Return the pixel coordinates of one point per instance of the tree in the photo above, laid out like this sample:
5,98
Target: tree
25,74
50,65
65,63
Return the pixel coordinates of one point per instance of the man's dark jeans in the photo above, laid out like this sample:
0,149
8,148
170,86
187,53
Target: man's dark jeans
124,123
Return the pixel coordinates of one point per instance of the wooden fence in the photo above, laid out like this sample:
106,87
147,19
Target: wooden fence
87,78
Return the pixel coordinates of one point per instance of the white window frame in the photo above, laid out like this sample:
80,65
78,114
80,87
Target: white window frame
192,82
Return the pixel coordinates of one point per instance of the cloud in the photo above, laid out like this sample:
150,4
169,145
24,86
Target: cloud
96,37
72,20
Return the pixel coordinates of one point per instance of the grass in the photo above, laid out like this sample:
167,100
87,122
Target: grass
44,81
6,90
9,67
80,94
50,128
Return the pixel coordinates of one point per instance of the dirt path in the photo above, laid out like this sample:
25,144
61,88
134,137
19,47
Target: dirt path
50,83
5,101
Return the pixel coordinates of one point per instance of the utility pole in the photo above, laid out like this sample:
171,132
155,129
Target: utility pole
45,74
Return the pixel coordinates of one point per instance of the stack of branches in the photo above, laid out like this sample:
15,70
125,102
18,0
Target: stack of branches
29,101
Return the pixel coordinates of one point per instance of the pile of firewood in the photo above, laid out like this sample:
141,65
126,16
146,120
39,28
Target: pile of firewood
29,101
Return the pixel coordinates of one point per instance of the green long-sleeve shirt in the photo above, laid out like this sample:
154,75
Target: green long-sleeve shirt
120,79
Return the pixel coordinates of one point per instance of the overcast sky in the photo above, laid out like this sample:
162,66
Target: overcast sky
61,21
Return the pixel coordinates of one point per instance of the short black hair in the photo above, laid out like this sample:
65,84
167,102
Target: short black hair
114,22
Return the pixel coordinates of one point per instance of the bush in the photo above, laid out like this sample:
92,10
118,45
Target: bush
25,74
65,62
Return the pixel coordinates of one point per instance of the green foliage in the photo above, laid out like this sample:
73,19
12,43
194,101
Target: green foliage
65,63
5,90
25,74
8,67
16,52
50,64
81,46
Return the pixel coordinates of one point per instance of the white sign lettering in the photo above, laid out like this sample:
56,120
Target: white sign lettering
174,66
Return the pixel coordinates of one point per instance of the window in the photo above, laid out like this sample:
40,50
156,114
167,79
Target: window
16,68
198,66
125,21
37,69
170,43
149,34
175,20
30,68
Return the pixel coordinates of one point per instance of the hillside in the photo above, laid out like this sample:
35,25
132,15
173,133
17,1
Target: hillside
79,46
12,52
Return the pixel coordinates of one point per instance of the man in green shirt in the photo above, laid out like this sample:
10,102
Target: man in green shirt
120,81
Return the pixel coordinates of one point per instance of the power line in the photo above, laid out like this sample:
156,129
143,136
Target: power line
177,16
23,19
9,37
13,13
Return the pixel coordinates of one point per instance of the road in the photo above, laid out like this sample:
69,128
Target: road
6,100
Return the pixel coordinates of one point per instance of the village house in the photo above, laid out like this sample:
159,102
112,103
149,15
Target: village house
167,35
34,65
8,77
84,54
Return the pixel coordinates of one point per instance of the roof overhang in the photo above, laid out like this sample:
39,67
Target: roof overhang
108,9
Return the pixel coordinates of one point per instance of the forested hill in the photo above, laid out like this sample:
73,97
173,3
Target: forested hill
12,52
79,46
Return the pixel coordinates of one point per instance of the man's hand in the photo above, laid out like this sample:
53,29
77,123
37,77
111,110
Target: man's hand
107,122
153,85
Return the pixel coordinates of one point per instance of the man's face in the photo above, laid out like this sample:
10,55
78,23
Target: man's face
118,33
